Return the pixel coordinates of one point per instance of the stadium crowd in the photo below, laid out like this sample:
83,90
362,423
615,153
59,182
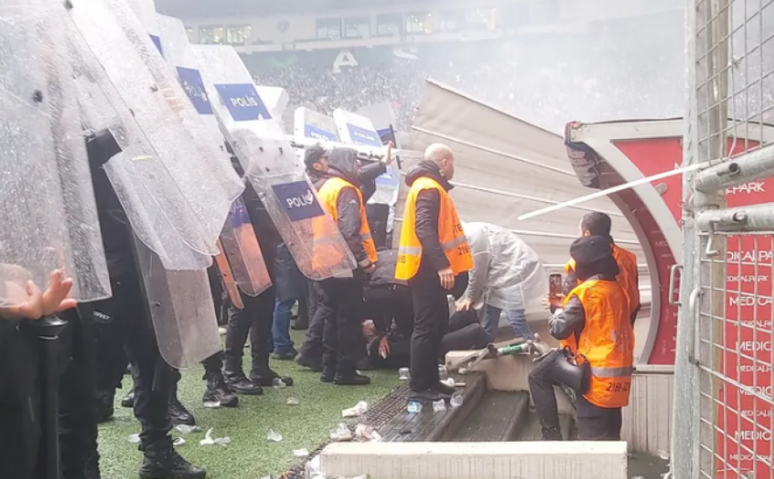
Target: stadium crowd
544,83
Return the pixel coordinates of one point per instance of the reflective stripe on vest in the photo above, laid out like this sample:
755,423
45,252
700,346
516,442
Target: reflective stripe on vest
450,235
329,196
606,342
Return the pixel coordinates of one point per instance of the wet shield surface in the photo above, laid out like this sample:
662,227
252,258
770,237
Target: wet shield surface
271,166
182,310
171,172
49,218
175,185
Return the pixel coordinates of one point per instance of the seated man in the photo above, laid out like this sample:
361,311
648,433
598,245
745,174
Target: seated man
594,328
391,348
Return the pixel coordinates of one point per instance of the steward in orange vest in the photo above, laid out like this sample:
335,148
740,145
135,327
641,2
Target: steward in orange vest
600,224
434,257
341,299
595,326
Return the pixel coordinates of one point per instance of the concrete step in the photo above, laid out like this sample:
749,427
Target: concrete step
497,417
477,460
531,430
436,426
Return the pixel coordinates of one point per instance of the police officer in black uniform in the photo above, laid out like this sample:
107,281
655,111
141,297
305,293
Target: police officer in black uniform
128,310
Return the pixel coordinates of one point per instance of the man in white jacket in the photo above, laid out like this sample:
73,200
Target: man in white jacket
507,274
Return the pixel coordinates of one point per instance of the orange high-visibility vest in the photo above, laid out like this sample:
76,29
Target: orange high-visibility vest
628,278
606,342
450,234
326,250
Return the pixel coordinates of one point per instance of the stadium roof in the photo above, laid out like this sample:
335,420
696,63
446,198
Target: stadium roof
213,8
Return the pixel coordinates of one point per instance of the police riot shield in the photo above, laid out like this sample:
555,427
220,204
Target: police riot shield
243,252
178,176
49,218
271,166
174,242
182,309
240,262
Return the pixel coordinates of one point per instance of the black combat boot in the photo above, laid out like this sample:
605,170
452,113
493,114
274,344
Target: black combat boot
179,414
218,393
105,406
161,461
315,365
347,375
265,376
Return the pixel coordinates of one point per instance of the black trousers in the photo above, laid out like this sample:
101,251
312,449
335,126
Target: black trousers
541,386
20,428
596,423
130,327
593,422
313,346
254,320
431,320
387,303
464,332
111,368
77,402
341,309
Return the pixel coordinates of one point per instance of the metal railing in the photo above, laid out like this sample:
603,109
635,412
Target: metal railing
723,405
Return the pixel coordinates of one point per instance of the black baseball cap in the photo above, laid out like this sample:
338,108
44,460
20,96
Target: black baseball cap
313,155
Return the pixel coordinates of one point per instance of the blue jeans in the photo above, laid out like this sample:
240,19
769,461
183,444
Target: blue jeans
280,329
516,317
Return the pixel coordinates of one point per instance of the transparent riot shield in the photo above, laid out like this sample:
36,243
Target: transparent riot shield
182,310
243,252
240,262
190,181
272,168
49,218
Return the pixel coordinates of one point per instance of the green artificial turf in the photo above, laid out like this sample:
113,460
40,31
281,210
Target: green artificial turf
250,455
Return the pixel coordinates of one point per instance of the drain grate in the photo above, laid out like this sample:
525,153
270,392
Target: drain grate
377,416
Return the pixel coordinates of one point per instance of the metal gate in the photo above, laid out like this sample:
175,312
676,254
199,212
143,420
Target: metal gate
723,402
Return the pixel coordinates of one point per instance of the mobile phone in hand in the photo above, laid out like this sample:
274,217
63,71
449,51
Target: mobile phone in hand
555,290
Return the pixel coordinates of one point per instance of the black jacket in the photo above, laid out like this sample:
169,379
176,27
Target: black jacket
384,274
342,163
367,175
427,210
114,223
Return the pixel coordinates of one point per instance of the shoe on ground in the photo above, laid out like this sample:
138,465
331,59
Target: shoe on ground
266,377
166,463
288,355
355,379
552,434
444,389
427,396
179,414
327,375
314,365
242,385
218,393
105,409
128,400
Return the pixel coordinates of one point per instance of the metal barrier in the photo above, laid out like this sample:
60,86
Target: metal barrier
722,423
